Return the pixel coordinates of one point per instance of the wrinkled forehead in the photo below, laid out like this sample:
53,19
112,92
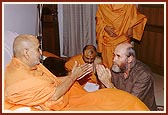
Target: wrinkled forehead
122,48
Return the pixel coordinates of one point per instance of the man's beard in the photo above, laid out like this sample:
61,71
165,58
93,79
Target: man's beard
120,68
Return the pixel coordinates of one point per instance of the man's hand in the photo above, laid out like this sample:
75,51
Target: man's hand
111,31
104,76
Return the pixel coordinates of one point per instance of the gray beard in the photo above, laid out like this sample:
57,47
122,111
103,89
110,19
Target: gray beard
116,68
120,69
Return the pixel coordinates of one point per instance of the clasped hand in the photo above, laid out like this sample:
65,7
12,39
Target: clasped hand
104,75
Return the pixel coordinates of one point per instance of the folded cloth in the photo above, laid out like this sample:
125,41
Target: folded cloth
90,87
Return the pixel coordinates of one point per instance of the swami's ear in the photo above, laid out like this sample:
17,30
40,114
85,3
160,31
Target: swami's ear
25,53
130,58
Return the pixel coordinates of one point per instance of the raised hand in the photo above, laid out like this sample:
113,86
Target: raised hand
79,71
104,75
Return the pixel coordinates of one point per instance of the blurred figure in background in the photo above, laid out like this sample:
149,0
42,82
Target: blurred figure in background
117,23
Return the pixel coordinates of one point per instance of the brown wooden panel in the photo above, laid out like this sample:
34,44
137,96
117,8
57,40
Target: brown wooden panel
50,38
150,49
155,14
50,29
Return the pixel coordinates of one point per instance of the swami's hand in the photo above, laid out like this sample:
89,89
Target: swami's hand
129,33
80,71
104,75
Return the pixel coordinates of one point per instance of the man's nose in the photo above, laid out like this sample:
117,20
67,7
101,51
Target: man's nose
40,51
114,59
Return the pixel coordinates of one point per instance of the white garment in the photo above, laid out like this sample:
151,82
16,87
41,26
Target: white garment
19,110
8,45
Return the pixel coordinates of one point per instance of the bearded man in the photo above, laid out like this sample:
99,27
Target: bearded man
129,74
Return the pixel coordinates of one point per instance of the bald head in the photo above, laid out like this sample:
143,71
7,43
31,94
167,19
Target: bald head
90,47
22,42
124,46
26,49
89,53
125,49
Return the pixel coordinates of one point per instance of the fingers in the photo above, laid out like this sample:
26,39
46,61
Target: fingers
102,72
86,66
75,65
101,68
86,69
108,70
79,71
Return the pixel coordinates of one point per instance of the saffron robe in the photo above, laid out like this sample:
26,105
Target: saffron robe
121,17
32,87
